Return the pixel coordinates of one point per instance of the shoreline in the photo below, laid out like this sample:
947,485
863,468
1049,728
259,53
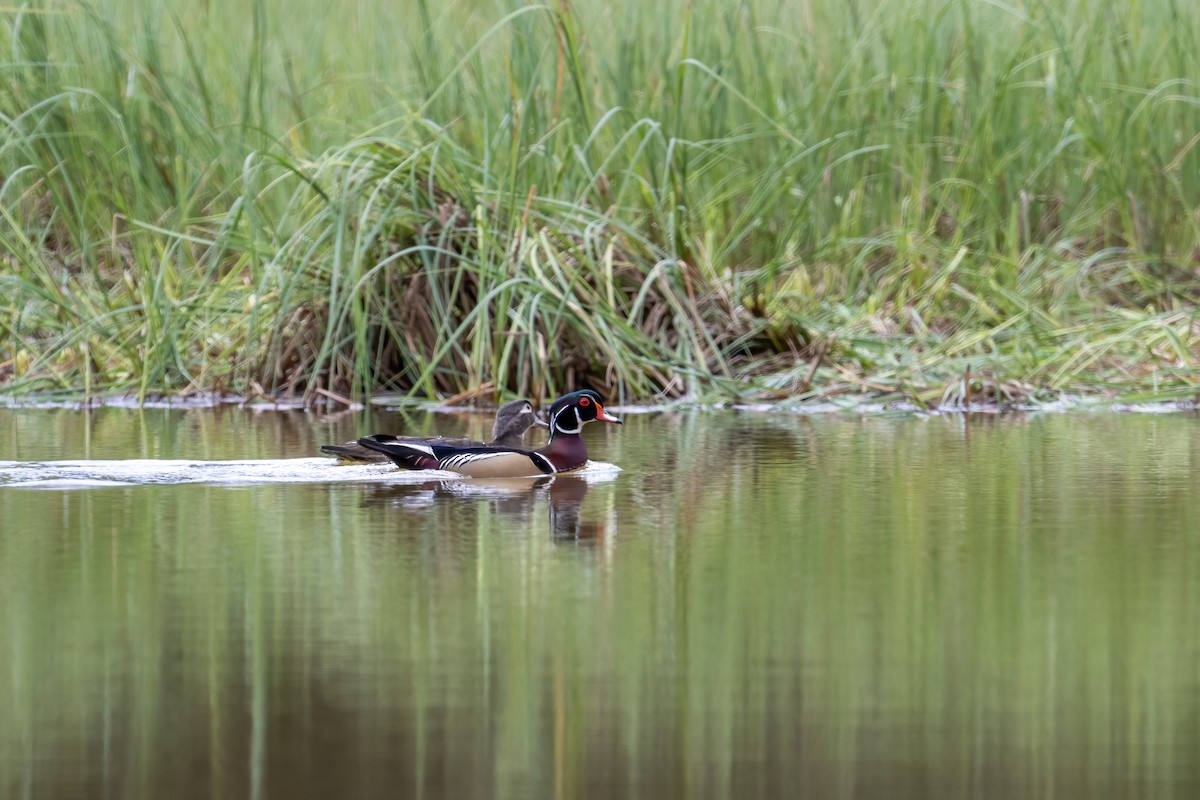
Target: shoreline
1065,403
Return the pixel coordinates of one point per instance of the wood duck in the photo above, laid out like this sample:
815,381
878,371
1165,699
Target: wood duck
564,452
512,420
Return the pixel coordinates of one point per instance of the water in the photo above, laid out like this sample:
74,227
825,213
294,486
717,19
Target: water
755,605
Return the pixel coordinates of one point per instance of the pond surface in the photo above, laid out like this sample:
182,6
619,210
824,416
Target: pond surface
755,605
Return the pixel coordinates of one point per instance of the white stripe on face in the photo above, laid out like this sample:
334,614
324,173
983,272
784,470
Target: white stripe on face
560,428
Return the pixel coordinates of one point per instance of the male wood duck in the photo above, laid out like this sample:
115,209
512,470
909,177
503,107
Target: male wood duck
564,452
512,420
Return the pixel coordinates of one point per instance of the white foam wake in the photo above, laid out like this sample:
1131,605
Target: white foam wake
134,472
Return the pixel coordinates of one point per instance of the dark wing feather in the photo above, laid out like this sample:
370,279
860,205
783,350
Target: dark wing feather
445,441
409,455
353,451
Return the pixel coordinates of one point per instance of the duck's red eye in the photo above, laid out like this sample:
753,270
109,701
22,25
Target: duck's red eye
583,401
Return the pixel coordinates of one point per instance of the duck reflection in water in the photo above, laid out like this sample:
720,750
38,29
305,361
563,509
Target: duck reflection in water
567,521
509,497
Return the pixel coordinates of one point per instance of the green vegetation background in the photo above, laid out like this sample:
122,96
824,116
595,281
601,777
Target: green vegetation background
761,199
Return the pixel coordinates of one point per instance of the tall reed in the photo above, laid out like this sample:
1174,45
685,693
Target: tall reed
772,198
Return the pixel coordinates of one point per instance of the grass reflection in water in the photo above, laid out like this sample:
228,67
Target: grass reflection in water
760,605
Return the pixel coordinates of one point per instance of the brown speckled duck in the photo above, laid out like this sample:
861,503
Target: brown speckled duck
564,452
512,420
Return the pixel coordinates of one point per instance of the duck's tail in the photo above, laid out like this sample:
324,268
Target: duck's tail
354,453
406,455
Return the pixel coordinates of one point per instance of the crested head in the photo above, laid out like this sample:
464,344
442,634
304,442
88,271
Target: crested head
571,412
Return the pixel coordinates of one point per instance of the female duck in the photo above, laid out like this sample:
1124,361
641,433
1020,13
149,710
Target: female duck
564,452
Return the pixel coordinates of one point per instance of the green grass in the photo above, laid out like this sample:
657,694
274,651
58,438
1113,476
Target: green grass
766,199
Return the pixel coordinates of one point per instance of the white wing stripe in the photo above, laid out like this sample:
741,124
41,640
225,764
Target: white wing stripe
461,459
